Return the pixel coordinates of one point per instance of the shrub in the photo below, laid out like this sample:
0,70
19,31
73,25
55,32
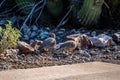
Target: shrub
8,37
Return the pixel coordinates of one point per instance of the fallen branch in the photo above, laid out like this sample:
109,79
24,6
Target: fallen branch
2,3
30,14
63,19
40,11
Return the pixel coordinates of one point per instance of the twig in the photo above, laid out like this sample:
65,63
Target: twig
30,14
28,17
59,25
41,11
2,3
106,5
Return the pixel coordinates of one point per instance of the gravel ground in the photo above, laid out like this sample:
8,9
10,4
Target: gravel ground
109,54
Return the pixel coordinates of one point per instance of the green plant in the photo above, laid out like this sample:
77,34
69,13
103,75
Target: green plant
55,7
9,37
25,5
115,5
90,11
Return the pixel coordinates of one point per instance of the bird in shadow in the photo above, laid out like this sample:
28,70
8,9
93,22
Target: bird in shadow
85,42
49,43
36,44
67,46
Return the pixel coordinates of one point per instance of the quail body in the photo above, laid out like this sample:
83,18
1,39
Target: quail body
49,43
67,46
36,44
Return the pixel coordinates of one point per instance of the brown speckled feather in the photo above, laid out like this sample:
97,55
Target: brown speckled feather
48,44
68,46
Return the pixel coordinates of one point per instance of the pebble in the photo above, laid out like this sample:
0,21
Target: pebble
31,41
34,60
73,31
47,28
43,34
33,34
13,19
116,37
34,28
2,22
25,29
25,37
84,53
93,34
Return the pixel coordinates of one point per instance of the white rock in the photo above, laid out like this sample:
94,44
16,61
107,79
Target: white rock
107,40
28,30
84,53
31,41
73,30
102,40
60,32
43,34
47,28
93,33
62,29
116,37
96,42
25,28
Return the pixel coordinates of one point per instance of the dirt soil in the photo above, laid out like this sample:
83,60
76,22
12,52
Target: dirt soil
109,54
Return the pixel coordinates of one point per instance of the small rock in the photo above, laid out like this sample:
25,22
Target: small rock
96,42
60,32
13,19
2,55
24,47
107,40
102,40
28,32
43,34
73,31
12,51
84,53
33,34
62,29
31,41
25,28
93,53
26,37
34,27
116,37
2,22
47,28
93,33
87,33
